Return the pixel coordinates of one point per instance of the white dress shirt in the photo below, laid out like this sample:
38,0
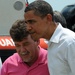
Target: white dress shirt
61,52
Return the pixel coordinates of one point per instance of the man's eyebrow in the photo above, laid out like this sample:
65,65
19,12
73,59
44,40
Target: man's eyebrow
30,21
27,21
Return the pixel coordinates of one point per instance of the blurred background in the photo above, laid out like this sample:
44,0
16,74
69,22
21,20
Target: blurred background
58,4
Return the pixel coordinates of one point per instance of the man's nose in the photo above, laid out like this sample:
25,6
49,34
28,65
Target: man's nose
23,48
28,27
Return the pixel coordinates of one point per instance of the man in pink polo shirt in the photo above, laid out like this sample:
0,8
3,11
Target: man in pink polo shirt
30,58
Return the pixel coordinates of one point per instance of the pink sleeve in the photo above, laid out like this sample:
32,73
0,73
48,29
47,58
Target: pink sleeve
4,69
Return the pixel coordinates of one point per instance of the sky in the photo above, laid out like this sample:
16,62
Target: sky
58,4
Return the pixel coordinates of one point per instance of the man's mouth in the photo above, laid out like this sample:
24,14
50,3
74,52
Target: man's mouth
31,32
24,53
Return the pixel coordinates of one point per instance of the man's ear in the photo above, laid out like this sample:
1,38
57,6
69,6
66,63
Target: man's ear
38,42
49,17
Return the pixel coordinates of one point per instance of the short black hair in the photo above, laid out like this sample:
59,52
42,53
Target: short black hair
41,8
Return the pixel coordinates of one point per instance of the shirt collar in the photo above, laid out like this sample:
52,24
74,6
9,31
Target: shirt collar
42,58
19,59
57,34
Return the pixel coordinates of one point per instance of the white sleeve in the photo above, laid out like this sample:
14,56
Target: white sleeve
0,63
71,56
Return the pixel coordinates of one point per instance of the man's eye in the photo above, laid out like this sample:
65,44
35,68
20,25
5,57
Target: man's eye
25,44
31,21
17,45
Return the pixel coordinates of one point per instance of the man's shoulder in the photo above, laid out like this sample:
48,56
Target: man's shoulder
13,58
43,52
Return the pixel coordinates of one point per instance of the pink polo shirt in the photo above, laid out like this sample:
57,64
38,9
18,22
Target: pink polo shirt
15,66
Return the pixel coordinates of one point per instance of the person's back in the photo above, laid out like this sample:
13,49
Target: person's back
69,13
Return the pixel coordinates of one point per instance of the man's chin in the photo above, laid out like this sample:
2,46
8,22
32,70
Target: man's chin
34,38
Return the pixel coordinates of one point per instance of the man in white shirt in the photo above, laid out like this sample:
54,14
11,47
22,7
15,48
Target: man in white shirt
39,19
